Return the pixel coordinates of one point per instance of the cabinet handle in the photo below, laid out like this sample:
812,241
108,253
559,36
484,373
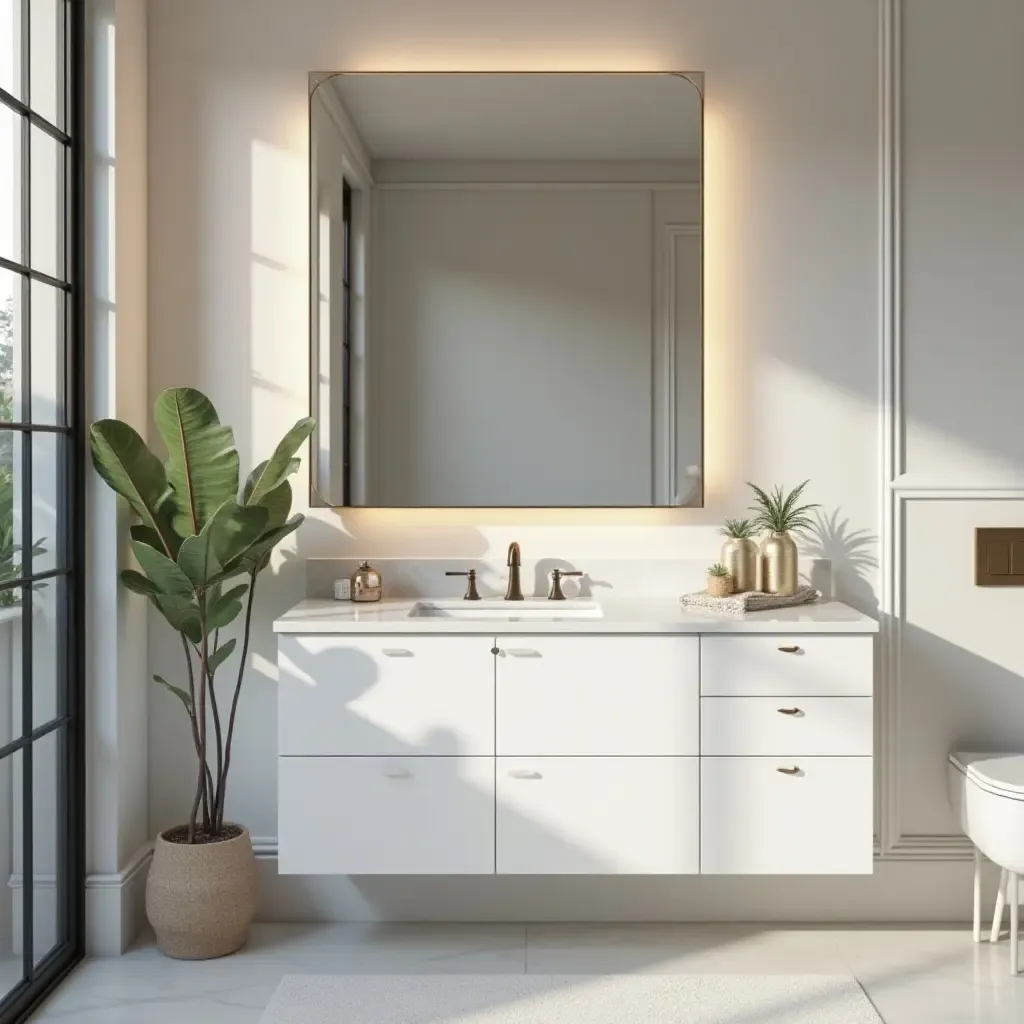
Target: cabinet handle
398,773
795,770
790,650
790,711
524,773
495,650
522,652
397,652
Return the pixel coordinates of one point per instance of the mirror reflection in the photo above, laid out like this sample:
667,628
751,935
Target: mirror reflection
506,290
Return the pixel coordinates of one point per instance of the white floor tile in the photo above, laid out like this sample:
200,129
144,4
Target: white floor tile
922,976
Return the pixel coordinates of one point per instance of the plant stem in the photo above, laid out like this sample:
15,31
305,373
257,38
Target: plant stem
220,741
204,661
222,789
208,787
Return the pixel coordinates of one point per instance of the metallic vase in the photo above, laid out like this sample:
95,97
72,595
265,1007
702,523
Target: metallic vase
366,583
739,556
778,564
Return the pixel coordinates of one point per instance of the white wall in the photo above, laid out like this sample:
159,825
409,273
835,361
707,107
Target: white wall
793,342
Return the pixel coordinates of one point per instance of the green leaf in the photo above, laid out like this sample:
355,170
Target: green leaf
139,584
127,466
278,504
147,535
219,656
268,475
202,464
225,537
225,608
257,556
176,598
178,692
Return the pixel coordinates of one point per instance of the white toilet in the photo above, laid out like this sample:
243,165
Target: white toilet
987,792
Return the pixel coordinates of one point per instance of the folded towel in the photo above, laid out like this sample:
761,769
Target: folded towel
750,600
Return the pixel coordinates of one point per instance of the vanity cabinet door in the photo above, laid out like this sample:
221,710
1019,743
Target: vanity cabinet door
758,820
598,695
786,665
597,815
386,815
400,695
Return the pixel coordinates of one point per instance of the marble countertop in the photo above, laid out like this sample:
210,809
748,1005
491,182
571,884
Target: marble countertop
618,615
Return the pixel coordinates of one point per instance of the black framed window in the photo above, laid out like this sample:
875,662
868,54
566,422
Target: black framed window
42,465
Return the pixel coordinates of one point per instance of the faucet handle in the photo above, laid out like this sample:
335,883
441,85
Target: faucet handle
555,593
472,594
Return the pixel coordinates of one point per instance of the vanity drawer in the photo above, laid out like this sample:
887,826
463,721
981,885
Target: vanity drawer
755,820
827,726
598,695
386,815
402,695
786,665
597,815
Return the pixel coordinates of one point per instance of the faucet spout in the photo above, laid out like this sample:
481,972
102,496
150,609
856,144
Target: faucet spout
514,591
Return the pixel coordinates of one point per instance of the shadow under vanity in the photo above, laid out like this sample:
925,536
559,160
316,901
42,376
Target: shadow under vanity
643,739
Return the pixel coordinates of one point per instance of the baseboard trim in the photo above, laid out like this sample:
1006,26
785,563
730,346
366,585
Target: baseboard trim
115,905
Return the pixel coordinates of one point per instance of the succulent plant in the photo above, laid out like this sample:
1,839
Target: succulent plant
718,570
741,528
777,511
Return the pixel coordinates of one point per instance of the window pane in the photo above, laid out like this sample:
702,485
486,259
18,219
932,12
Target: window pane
10,518
10,47
46,858
10,848
47,355
10,690
10,183
47,648
46,63
10,352
48,488
47,203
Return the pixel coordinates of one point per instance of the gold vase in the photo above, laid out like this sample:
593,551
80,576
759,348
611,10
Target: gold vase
739,556
778,564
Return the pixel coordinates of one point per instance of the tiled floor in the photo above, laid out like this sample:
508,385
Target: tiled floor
928,976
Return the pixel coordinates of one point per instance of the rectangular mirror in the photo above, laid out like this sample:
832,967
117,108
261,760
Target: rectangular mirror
506,290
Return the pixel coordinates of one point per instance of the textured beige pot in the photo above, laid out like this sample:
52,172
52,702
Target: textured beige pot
201,899
779,564
739,556
719,586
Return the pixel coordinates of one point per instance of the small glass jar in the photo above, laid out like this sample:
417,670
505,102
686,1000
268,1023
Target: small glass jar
366,583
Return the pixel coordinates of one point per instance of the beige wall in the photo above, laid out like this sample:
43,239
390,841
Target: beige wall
792,338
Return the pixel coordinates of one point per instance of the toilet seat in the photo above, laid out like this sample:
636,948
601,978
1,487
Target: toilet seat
999,774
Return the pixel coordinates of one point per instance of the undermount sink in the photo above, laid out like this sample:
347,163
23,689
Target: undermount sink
499,609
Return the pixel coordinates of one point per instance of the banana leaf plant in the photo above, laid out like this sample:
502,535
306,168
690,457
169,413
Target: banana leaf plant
200,544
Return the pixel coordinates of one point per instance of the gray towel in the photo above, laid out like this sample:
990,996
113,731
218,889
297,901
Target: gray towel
749,601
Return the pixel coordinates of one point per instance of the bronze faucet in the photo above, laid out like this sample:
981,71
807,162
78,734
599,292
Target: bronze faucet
514,591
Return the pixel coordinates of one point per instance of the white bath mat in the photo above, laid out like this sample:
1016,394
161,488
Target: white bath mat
570,999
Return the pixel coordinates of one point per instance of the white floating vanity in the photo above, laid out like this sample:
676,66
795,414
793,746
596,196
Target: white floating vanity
612,737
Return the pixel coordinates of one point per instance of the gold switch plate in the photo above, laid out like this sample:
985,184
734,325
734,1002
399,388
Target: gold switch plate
999,556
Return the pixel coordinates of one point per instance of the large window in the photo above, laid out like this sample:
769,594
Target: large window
41,483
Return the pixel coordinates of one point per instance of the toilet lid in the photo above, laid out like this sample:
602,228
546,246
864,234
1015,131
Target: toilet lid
1002,773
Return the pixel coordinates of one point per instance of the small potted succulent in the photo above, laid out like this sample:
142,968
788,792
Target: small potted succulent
720,582
739,553
779,515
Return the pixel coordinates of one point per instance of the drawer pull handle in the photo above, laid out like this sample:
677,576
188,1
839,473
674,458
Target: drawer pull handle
398,773
522,652
795,770
790,711
790,650
495,650
397,652
524,773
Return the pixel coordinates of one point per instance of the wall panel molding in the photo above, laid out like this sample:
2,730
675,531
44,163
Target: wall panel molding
891,419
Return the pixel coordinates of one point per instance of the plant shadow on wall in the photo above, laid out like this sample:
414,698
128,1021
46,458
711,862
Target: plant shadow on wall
197,534
852,554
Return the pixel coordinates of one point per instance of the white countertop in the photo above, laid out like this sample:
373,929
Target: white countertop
620,615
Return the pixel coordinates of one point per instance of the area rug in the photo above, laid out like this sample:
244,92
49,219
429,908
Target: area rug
570,999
